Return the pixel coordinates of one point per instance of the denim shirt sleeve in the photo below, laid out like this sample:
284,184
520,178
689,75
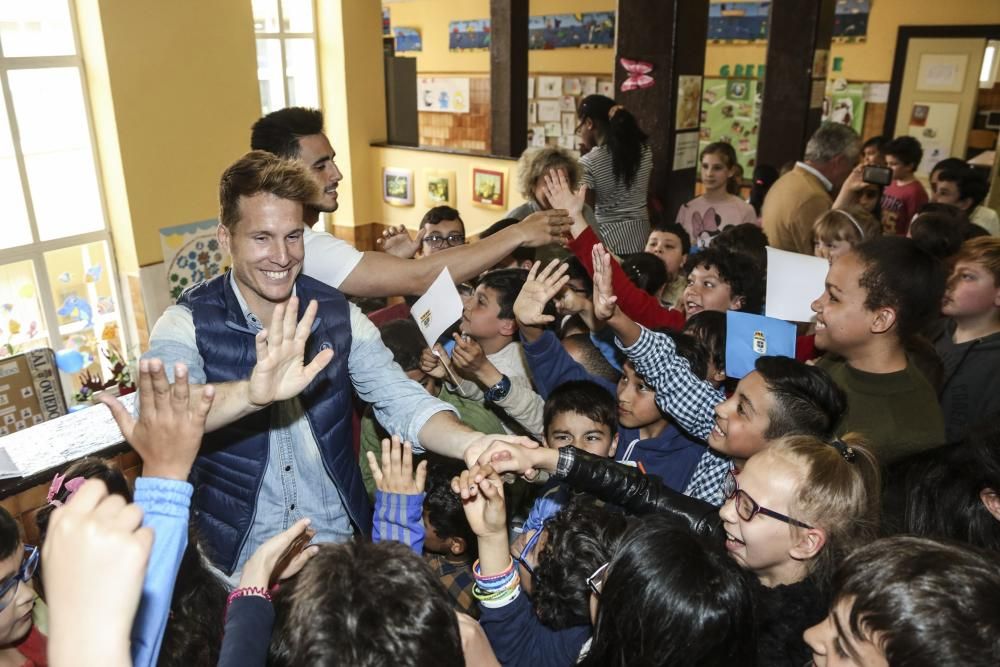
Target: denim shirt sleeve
165,504
401,405
399,517
173,340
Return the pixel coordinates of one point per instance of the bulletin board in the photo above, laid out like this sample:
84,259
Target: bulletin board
933,124
730,112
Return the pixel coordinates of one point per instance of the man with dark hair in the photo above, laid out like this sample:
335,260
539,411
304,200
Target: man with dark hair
366,604
902,198
912,602
297,133
278,448
806,192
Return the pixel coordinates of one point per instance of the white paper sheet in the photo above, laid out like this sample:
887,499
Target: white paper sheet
63,439
548,111
794,281
438,308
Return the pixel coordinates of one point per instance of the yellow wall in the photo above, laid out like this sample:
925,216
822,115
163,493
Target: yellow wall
870,60
177,91
431,18
476,218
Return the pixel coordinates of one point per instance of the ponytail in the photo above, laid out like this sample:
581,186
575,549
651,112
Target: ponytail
621,133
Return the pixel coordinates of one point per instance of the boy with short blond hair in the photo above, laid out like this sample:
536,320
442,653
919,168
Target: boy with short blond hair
968,342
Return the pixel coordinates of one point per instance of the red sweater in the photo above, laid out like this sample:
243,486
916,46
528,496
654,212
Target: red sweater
634,302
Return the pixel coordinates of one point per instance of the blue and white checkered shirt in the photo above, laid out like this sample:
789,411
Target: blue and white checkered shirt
688,399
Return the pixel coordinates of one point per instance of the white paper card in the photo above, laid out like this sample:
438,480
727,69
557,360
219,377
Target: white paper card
548,111
794,281
438,308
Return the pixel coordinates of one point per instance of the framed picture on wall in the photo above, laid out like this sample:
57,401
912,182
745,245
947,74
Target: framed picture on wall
489,187
397,186
440,187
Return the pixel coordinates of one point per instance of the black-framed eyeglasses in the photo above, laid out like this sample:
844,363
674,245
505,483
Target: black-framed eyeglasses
438,241
748,508
596,581
528,546
8,589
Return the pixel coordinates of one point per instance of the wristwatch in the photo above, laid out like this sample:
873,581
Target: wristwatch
499,391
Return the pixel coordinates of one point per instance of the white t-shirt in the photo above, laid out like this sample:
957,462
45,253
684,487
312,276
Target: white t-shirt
327,258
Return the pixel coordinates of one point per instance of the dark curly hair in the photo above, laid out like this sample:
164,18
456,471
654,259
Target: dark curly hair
581,538
646,271
443,506
736,269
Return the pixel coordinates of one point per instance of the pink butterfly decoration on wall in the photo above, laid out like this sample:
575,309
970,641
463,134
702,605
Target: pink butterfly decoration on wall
638,74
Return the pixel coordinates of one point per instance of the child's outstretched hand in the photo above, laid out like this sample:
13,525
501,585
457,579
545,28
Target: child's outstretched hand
483,501
559,194
396,474
280,557
538,290
168,432
604,296
432,364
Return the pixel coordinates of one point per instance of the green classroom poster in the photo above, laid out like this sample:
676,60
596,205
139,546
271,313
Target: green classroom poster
845,103
730,112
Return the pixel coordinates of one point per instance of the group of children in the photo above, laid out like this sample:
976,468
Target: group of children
841,506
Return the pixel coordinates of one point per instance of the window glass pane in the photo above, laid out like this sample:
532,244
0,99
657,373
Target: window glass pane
265,16
272,87
298,15
36,28
16,230
22,326
86,303
301,73
55,140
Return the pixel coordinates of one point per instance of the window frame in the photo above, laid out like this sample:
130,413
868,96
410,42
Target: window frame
282,35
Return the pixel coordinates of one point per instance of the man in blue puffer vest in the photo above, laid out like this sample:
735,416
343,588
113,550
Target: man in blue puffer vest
278,438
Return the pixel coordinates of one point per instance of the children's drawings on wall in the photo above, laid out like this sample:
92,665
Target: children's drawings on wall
446,94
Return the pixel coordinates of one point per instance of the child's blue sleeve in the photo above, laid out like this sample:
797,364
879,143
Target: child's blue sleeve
519,638
166,505
399,517
551,365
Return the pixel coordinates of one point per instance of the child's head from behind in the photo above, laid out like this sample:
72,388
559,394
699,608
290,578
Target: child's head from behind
718,166
912,602
90,467
708,327
799,505
361,603
581,414
404,340
17,597
781,397
489,314
646,272
671,243
580,538
446,530
938,232
746,238
722,280
666,582
974,286
882,292
838,230
902,155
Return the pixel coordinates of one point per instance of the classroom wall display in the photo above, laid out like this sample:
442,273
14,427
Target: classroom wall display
550,86
688,102
560,31
469,35
748,21
489,187
397,186
447,94
440,187
933,125
407,40
552,117
730,112
845,103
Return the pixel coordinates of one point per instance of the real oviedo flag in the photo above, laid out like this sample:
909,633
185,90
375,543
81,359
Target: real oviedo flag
751,336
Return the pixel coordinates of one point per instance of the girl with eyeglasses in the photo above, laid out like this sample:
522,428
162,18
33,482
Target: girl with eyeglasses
21,643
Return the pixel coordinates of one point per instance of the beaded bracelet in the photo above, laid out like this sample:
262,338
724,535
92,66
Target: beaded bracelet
493,580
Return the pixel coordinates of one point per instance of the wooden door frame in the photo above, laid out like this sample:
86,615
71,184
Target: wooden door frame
903,37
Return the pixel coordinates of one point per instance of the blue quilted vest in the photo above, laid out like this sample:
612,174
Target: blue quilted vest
228,473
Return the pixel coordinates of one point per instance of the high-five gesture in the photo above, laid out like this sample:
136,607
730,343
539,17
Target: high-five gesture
538,290
168,433
604,297
560,195
281,372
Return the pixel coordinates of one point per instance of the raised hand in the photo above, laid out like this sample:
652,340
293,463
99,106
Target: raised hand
544,227
471,363
95,557
559,194
604,297
396,241
168,433
396,474
432,364
280,557
482,497
538,290
280,372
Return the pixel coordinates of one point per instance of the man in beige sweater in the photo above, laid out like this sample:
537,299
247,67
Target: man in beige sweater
807,191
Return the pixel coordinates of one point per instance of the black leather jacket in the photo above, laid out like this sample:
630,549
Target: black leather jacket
634,491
